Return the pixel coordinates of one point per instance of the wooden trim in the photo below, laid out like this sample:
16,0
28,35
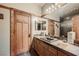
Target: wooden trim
15,28
20,11
30,30
5,7
10,32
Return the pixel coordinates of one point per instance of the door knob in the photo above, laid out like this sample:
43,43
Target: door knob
29,35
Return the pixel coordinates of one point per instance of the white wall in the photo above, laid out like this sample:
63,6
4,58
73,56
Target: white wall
28,7
5,33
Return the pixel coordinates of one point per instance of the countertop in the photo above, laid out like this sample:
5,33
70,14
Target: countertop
62,45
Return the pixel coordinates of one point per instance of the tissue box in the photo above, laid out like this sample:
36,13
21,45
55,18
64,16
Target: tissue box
71,37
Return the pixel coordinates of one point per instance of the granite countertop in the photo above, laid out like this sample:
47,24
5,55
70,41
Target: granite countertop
62,45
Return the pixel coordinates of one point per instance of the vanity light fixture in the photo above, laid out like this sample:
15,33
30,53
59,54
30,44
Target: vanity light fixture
54,6
49,8
46,10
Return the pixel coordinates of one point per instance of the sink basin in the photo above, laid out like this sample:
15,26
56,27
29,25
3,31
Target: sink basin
50,38
60,44
63,45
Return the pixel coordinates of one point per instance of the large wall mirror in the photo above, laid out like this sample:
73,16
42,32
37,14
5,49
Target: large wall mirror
65,26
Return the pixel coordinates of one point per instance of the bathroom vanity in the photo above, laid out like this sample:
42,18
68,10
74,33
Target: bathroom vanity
54,47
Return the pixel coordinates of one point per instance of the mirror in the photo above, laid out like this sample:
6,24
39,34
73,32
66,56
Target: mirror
40,25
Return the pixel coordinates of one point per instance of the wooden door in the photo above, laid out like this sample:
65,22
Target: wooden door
20,30
19,37
25,38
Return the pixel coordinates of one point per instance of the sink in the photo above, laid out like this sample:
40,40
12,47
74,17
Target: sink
55,41
47,39
60,44
50,40
63,45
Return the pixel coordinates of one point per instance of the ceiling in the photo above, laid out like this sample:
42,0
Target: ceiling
40,4
68,9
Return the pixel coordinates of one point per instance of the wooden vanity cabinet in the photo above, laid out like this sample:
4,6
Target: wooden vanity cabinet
40,48
44,49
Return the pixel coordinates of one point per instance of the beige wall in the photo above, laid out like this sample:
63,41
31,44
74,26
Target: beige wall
28,7
5,32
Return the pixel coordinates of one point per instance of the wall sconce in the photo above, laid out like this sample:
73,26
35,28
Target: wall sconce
1,16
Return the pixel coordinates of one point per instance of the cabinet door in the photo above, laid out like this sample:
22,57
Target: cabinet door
40,50
19,38
44,49
37,47
61,53
64,53
34,43
25,38
52,51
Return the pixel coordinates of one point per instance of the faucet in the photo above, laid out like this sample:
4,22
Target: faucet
64,38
